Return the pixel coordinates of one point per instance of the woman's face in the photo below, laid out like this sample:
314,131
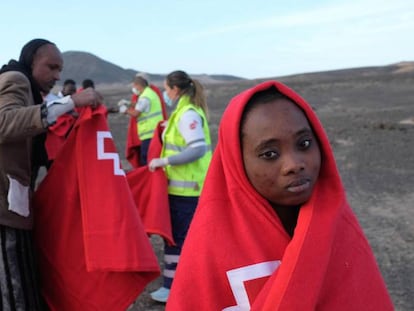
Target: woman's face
173,93
281,155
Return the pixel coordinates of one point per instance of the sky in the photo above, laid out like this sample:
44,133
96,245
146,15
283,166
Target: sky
244,38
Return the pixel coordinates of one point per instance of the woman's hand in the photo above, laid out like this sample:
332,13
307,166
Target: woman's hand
156,163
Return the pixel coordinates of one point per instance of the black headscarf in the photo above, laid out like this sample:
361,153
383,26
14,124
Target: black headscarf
24,65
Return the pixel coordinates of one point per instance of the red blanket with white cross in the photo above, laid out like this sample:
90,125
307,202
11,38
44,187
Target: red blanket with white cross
93,251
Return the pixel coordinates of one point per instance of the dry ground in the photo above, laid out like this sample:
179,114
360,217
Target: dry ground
370,122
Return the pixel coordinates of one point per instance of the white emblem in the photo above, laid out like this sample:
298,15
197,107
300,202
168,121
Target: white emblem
102,155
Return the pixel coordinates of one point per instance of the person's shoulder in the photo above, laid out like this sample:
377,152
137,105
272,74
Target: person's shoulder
190,117
14,80
144,99
150,90
191,113
15,76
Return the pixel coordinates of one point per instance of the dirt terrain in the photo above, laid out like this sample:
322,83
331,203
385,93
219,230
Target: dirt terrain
370,122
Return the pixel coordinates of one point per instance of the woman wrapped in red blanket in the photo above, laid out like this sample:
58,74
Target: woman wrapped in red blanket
273,229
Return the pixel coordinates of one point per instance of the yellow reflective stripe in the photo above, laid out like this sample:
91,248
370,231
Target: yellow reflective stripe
149,116
145,133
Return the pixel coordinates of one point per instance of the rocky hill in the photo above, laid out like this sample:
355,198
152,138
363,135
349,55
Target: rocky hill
82,65
388,72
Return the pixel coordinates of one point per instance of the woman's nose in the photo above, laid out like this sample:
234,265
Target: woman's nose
292,164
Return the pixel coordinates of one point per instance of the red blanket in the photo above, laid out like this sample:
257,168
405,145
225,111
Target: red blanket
237,254
132,141
57,134
93,251
150,192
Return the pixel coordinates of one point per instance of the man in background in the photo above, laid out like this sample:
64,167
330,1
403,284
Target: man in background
145,114
148,113
68,88
87,83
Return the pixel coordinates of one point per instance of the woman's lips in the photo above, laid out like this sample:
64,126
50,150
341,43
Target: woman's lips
299,185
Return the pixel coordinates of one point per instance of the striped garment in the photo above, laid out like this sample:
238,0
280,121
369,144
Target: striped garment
19,281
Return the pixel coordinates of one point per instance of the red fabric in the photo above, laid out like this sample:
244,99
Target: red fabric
163,105
57,133
150,192
93,251
327,265
133,142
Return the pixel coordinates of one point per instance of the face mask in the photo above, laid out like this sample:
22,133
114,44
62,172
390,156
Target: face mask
135,91
167,99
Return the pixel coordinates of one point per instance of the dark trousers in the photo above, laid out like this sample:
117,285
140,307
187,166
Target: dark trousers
144,152
182,211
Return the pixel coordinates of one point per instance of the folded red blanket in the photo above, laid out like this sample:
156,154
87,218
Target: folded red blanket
238,256
57,134
93,251
150,192
133,143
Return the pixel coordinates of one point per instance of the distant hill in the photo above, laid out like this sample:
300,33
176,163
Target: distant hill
354,74
82,65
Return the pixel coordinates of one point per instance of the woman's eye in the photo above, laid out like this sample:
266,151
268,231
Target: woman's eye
268,155
305,144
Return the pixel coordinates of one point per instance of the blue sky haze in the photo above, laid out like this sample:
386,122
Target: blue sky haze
250,39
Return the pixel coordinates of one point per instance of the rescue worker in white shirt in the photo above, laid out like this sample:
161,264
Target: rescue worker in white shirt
186,155
148,112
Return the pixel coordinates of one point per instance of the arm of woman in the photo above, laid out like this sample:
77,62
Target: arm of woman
190,127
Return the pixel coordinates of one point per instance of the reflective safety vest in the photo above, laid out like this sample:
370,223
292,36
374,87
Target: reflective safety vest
185,179
147,121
